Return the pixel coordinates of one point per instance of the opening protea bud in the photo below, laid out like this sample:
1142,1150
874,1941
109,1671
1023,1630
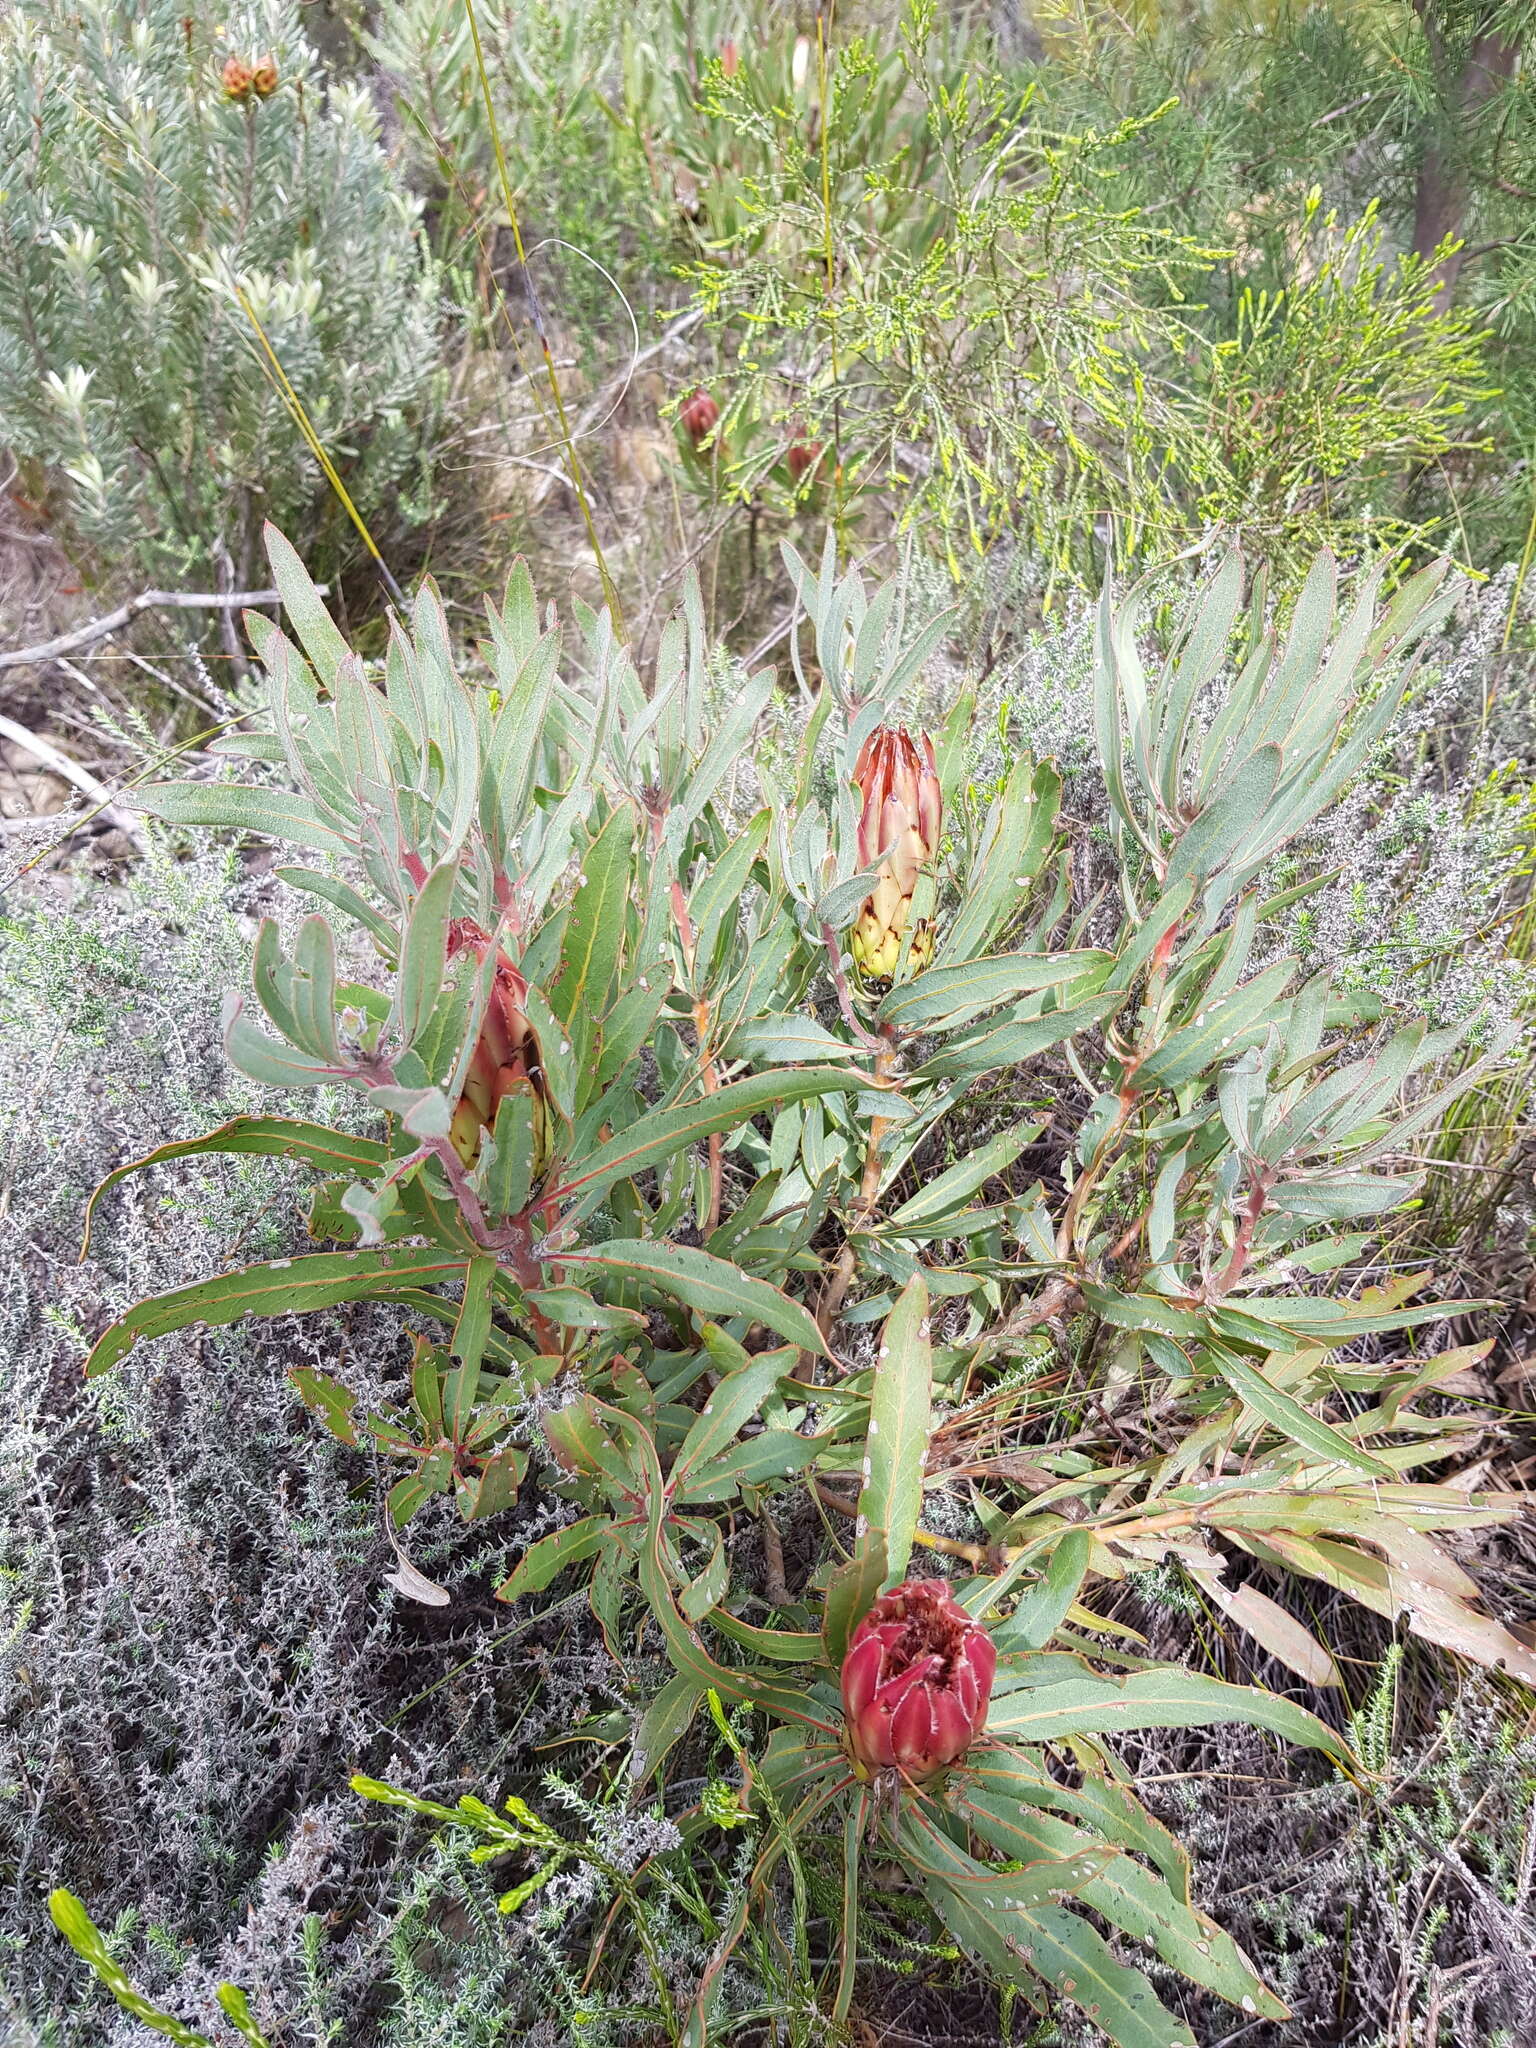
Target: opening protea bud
264,78
900,818
916,1682
699,416
802,456
505,1060
237,79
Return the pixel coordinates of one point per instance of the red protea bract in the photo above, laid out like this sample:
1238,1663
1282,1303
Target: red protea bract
901,814
505,1060
916,1682
699,416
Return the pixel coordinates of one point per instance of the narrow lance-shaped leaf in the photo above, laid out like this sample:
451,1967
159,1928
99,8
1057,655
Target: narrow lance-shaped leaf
899,1413
470,1332
279,1287
272,1137
1044,1607
1200,660
745,1384
945,997
1091,1705
1284,1412
1126,1893
686,1650
943,1197
234,806
1009,1043
317,630
1027,1941
710,1286
663,1133
269,1060
1019,833
423,957
594,934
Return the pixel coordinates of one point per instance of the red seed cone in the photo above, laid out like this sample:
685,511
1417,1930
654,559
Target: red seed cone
916,1682
901,816
505,1060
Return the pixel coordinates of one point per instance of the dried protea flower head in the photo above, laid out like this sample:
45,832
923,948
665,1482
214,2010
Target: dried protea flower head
237,79
264,78
699,416
505,1060
901,813
916,1682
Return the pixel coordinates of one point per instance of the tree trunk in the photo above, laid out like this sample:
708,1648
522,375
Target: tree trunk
1444,187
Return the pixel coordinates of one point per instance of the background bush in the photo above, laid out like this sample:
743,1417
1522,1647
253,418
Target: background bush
139,200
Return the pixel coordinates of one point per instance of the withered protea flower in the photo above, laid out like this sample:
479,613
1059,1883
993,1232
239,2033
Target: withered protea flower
505,1060
699,416
237,79
900,818
916,1682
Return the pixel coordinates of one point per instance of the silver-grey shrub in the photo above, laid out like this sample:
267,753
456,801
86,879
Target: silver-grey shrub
137,198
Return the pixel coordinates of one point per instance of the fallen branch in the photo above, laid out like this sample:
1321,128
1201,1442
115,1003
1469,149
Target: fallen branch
147,600
48,754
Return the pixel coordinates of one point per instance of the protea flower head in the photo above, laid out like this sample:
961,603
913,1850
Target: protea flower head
900,817
264,78
699,416
801,456
916,1682
237,79
505,1060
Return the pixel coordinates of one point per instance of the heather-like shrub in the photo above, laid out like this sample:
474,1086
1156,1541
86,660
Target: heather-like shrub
158,168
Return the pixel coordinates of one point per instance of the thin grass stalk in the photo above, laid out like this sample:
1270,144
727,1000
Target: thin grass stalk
567,439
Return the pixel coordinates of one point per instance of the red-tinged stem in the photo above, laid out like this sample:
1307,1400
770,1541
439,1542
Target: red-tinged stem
841,1277
414,866
844,993
513,1243
1248,1223
1088,1179
441,1149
